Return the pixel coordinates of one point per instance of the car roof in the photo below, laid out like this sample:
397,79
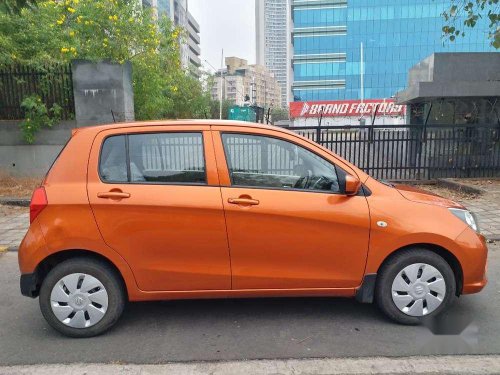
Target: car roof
135,124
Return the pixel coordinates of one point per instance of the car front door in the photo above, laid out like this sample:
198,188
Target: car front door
155,196
289,225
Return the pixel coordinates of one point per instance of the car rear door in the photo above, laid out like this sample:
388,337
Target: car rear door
289,227
156,198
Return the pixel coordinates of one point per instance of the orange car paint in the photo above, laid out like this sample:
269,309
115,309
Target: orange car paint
293,243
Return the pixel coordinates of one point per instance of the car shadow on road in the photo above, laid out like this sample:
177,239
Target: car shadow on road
263,309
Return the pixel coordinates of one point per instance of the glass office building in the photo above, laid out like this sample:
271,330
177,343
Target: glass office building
396,34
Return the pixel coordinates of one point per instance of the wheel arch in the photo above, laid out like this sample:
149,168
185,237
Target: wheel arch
447,255
48,263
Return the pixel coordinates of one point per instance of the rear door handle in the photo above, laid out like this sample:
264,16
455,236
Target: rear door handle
113,195
243,201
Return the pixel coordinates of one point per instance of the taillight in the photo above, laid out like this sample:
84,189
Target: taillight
38,202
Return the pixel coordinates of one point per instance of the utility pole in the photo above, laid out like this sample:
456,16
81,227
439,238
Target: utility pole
254,91
221,83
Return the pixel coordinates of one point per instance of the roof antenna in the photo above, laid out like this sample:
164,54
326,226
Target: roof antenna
113,114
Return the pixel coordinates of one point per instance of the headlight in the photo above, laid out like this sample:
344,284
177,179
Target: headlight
466,216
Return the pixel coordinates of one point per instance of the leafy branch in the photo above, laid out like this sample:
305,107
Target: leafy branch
37,116
466,14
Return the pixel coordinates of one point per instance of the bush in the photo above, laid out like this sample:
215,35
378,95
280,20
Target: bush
37,116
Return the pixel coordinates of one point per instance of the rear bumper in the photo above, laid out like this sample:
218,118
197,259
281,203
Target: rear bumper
29,285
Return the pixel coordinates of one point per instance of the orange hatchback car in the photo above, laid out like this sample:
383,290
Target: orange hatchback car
213,209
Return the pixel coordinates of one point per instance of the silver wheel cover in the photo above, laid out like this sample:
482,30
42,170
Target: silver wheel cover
79,300
418,289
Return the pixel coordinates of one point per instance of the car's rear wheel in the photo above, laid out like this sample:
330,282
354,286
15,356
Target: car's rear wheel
82,297
414,284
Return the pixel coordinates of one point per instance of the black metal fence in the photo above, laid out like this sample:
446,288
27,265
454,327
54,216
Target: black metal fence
53,84
414,152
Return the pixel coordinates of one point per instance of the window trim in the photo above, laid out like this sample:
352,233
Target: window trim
127,155
335,166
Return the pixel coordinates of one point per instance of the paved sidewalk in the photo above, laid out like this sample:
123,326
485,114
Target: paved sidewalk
487,209
14,222
487,364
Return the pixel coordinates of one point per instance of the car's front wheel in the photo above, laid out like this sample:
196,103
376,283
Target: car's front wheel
414,284
82,297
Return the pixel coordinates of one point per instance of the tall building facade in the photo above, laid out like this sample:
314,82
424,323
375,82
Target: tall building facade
177,11
273,40
241,81
327,36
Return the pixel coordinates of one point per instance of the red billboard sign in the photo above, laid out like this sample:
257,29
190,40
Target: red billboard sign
346,108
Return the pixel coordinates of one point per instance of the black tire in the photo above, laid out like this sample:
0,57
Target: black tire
390,269
105,274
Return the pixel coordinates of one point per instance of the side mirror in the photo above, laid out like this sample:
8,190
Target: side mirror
352,185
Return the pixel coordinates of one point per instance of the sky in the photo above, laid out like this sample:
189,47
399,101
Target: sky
228,24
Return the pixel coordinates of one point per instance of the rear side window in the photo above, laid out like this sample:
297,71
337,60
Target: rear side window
113,163
167,158
153,158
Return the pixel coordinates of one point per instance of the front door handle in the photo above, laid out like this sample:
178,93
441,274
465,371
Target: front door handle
243,201
113,195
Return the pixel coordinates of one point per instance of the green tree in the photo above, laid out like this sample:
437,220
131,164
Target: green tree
279,114
15,6
215,108
465,14
114,30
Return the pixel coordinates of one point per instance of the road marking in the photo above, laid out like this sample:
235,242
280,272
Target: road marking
477,364
3,249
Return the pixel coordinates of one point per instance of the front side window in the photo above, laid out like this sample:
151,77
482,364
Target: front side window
154,158
259,161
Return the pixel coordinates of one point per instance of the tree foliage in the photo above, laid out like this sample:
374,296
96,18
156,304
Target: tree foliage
214,111
280,114
466,14
38,116
114,30
15,6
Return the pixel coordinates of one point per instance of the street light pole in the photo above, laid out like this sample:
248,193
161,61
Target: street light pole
221,83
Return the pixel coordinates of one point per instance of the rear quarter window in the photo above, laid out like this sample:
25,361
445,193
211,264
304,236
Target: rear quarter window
113,160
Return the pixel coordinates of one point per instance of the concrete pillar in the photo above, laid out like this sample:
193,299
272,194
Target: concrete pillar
103,92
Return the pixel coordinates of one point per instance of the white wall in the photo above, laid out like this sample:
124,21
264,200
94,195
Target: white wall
340,121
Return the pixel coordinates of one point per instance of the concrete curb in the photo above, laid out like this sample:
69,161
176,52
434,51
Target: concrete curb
457,186
19,202
474,364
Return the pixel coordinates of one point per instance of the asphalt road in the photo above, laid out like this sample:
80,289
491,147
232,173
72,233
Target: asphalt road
173,331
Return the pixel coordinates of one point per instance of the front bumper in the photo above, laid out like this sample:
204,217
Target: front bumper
473,258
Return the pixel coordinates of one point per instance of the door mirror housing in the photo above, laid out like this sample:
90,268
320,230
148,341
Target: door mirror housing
352,185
